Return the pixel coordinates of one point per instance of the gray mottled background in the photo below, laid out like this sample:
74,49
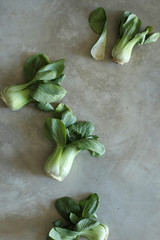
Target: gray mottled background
123,102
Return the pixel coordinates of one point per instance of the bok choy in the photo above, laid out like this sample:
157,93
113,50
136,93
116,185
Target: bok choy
43,83
129,36
98,22
70,137
81,220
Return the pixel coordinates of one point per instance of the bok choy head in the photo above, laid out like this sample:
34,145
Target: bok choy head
42,87
81,220
129,36
70,137
98,22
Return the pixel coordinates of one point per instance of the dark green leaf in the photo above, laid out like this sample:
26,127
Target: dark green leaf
49,238
77,238
44,107
60,109
152,38
33,86
50,71
66,206
33,64
95,148
64,113
97,20
124,18
68,118
93,137
55,130
59,80
91,205
85,224
142,36
95,216
48,93
73,218
80,130
58,223
129,26
83,203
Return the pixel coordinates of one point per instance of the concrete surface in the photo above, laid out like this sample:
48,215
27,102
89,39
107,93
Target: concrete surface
123,102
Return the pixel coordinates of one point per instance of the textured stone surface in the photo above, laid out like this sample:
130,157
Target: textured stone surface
123,102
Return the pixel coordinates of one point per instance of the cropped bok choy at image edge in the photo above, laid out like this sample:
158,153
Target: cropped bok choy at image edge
81,220
70,137
98,22
43,84
129,36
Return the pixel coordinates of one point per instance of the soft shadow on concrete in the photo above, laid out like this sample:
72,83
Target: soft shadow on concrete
32,157
38,149
2,104
32,227
29,227
112,30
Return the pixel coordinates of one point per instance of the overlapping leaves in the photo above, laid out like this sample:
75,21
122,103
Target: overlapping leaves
70,137
78,134
129,35
80,217
43,84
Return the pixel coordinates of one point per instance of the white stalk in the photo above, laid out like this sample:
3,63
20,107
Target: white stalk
98,50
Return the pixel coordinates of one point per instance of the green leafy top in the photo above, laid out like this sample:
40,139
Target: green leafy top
50,71
129,35
74,134
67,206
90,205
55,130
46,78
39,68
97,20
33,64
64,113
44,107
129,28
83,209
129,25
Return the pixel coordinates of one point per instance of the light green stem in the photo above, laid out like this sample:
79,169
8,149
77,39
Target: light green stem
51,166
67,159
16,96
98,50
59,163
